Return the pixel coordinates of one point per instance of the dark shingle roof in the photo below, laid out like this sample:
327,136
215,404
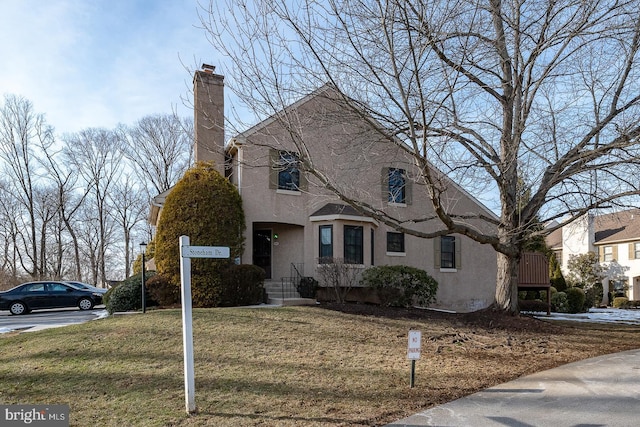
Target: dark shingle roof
613,227
618,226
336,209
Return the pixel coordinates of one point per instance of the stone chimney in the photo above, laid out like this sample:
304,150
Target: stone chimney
208,108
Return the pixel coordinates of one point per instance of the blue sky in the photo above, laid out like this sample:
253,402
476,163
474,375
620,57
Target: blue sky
97,63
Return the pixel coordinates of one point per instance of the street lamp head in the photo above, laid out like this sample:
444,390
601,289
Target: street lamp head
143,246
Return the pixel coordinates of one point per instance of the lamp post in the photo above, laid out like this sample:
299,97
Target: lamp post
143,248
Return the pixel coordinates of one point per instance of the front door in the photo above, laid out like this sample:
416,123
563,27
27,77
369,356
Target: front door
262,250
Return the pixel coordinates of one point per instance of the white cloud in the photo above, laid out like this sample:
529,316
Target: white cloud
100,63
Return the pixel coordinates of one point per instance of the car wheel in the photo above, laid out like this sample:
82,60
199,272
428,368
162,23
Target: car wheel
85,304
18,308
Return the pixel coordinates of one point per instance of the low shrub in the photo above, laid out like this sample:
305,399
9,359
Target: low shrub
242,285
593,296
543,294
575,299
161,291
532,305
308,287
401,285
619,302
126,296
559,302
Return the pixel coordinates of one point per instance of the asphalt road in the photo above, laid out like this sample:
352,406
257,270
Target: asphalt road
47,319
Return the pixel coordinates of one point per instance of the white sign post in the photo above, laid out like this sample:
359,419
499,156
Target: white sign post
186,253
413,352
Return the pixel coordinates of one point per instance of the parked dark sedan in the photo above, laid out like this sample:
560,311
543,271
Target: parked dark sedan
47,294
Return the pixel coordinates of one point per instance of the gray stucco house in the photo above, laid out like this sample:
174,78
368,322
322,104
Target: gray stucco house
293,221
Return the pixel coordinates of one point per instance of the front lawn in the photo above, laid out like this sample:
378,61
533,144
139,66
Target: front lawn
298,366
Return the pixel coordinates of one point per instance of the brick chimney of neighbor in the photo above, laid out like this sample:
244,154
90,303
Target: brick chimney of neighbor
208,107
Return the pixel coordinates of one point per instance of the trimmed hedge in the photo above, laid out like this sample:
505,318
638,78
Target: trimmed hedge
401,285
559,302
242,285
161,291
206,207
619,302
575,299
126,296
532,305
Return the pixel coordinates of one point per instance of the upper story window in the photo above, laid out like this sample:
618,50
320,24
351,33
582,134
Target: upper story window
608,253
285,171
353,244
397,186
288,172
325,251
636,250
395,242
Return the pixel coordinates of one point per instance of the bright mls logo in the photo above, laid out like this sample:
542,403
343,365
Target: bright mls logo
34,415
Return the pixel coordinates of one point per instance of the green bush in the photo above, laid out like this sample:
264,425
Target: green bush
619,302
401,285
575,299
532,305
559,302
308,287
242,285
543,294
126,296
206,207
161,291
593,296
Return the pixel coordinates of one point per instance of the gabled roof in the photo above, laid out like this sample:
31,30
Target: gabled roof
331,91
609,228
554,239
239,138
617,227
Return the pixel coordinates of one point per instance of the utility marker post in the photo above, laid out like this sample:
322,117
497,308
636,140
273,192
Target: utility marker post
186,253
413,353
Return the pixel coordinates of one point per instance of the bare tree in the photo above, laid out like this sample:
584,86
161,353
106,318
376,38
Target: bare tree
97,155
21,129
161,147
69,199
130,204
490,92
9,212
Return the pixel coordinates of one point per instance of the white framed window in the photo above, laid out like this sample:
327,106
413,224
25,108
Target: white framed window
608,253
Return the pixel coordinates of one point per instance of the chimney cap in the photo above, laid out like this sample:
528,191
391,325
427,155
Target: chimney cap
208,68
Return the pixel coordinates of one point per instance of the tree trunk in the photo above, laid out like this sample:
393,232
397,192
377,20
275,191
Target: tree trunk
507,283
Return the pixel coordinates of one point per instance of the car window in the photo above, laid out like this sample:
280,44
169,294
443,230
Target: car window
36,287
57,287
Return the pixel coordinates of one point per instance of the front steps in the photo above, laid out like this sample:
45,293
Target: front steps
284,293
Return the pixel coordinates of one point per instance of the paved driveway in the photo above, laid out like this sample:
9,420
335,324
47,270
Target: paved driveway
47,319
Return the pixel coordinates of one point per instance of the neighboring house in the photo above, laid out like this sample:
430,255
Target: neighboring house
615,238
293,223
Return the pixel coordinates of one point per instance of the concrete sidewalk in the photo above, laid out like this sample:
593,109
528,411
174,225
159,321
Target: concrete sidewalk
603,391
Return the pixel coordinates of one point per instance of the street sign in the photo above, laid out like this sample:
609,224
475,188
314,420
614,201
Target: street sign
205,252
413,350
413,353
186,253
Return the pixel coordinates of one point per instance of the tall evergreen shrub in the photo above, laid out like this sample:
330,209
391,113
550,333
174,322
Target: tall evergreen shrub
206,207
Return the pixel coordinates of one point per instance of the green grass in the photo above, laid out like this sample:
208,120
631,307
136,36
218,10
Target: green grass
272,367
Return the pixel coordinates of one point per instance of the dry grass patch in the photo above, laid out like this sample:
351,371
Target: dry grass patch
290,366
